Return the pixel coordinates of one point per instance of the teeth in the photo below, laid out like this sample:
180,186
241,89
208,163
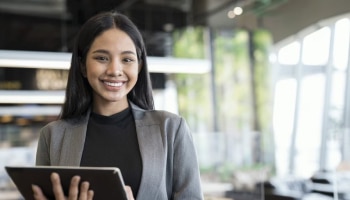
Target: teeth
114,84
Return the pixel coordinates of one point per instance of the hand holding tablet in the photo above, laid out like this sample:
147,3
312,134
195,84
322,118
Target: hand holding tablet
107,183
77,189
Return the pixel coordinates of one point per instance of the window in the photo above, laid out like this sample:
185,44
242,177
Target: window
289,54
341,44
307,143
283,119
316,47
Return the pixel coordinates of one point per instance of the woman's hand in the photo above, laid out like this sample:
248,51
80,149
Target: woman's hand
84,193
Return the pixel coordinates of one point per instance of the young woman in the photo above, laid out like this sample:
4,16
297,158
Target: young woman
108,119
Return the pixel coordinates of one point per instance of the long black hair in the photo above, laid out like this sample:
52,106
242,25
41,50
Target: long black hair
79,92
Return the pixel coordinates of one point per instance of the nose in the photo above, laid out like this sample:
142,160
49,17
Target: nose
115,68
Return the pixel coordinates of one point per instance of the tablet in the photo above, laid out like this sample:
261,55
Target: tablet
106,182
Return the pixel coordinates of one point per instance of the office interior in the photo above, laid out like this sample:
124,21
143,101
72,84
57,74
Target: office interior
263,84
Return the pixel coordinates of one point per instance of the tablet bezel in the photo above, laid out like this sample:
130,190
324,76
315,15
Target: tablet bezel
106,182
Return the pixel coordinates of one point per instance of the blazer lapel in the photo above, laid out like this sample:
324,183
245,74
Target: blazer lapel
152,153
73,144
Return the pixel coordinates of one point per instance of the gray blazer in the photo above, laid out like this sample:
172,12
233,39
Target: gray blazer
170,168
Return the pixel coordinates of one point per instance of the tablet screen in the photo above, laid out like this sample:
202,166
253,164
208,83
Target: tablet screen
106,182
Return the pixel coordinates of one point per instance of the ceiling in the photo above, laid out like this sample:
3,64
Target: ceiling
50,25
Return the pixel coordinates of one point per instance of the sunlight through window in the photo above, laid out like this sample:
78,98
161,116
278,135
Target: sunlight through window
341,44
289,54
316,47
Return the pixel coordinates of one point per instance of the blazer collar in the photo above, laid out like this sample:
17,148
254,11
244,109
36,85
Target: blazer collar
73,142
152,148
151,144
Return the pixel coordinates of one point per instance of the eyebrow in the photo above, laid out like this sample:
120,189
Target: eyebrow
107,52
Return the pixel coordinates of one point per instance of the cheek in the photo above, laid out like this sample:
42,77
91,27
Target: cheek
91,69
92,73
134,73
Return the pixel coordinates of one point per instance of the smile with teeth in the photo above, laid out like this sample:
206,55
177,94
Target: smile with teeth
117,84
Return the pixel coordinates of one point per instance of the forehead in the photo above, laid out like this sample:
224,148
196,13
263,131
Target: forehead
113,39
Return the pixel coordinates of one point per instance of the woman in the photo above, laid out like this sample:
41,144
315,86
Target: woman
108,119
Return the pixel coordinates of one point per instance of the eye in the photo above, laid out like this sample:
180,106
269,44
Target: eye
127,60
101,58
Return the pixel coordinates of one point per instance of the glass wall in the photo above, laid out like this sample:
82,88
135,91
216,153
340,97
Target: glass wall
310,122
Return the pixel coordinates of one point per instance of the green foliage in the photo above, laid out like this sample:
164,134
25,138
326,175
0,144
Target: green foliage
189,43
242,87
262,42
233,77
233,80
193,89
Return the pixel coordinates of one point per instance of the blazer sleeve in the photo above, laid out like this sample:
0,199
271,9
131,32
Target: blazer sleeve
42,153
186,176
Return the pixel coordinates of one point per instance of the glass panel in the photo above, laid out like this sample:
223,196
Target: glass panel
335,120
338,95
289,54
341,44
309,128
283,118
316,47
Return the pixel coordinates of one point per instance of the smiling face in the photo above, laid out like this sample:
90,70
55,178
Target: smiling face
112,70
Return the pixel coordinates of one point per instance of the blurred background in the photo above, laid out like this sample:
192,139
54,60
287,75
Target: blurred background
263,84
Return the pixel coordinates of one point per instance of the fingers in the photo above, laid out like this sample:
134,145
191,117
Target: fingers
90,195
129,194
84,190
37,193
85,193
74,193
57,187
74,188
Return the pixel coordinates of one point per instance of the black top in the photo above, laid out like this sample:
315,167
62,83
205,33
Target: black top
111,141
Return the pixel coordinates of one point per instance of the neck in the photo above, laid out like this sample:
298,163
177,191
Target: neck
110,108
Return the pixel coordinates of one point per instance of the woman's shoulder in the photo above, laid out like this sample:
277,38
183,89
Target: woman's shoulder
155,113
164,119
52,126
162,116
59,125
164,113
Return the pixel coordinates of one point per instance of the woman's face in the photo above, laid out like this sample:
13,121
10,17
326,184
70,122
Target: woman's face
112,68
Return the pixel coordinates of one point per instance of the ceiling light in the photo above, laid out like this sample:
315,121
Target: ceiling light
237,10
231,14
168,27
